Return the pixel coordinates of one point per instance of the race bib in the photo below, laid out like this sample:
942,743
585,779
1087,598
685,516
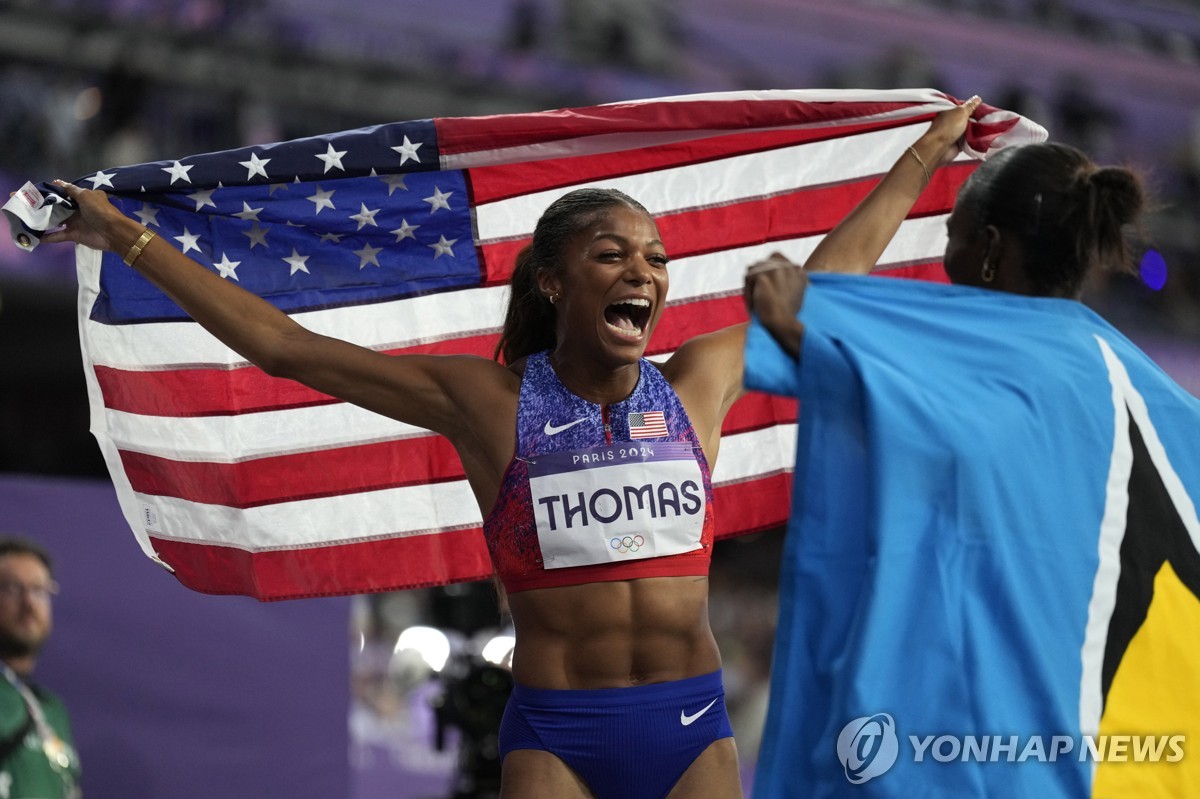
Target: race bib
617,502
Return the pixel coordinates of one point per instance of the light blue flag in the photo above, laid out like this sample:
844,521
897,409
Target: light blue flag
994,497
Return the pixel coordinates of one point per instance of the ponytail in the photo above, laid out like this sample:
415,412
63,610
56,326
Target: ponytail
529,321
1119,201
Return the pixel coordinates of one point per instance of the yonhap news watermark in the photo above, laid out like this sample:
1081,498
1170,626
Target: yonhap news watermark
869,746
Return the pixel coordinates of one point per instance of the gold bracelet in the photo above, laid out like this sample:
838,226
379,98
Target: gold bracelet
138,246
921,161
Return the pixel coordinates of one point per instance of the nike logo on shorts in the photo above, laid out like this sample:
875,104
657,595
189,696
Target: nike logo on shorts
686,720
553,430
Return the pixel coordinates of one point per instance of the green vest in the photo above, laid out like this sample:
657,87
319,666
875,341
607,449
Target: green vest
26,771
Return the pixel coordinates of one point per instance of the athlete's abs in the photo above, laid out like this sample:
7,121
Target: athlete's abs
613,634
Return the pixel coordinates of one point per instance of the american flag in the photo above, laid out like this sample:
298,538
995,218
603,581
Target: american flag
651,424
401,237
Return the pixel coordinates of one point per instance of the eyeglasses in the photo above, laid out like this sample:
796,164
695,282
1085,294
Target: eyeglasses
13,591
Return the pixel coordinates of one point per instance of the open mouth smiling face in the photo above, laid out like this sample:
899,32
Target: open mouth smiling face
613,282
628,318
626,265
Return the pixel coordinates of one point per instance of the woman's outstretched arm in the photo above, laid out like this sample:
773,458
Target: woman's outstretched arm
856,243
427,391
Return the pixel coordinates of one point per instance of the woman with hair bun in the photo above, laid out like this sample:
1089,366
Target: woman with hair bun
992,572
1032,220
1038,218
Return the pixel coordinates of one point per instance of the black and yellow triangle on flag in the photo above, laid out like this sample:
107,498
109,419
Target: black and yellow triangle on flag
1151,668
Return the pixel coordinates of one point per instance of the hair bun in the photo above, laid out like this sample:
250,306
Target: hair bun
1120,190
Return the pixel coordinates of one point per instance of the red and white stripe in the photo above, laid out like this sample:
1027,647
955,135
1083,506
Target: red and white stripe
243,483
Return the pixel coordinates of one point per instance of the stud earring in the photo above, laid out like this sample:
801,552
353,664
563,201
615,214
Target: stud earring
989,272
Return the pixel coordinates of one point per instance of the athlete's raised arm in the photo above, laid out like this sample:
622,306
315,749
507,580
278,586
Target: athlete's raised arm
858,240
442,393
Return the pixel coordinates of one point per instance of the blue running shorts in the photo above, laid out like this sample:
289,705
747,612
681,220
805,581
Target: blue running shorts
626,743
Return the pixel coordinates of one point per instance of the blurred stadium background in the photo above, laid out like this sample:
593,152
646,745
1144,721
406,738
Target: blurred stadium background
87,84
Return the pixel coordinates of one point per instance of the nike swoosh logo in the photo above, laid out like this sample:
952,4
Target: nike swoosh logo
552,430
685,719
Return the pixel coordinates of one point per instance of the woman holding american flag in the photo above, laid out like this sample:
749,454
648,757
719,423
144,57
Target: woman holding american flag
590,465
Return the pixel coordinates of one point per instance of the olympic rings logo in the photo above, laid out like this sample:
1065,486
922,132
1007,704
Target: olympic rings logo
630,543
